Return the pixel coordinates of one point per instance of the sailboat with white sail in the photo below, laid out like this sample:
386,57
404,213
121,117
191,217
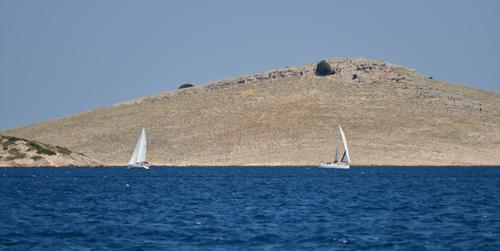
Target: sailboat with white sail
346,160
138,160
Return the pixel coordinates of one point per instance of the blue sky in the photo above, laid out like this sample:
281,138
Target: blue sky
59,58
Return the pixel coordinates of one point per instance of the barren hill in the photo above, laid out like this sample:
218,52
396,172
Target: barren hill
391,116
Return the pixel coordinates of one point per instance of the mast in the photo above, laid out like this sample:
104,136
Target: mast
338,143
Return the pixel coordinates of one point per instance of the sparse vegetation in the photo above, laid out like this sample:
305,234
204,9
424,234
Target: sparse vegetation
45,151
63,150
187,85
323,68
35,158
16,154
10,141
19,148
13,151
355,76
39,149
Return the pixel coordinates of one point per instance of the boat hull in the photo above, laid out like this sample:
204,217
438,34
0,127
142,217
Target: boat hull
334,166
138,167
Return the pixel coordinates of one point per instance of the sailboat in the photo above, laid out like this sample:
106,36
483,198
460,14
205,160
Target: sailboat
345,162
138,160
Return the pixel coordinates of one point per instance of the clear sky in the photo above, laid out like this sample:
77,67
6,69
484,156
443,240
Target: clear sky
59,58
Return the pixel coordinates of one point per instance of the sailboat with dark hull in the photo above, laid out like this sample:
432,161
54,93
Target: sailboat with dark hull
346,160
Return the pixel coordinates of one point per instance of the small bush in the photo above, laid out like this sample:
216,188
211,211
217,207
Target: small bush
13,151
188,85
10,158
1,157
323,69
5,148
45,151
355,76
63,150
8,143
16,154
40,149
35,158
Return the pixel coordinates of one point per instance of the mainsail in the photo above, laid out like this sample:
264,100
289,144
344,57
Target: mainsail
139,154
345,158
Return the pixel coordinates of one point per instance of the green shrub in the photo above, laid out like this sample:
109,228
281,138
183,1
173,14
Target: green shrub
8,143
188,85
5,148
45,151
13,151
323,69
10,158
355,76
16,154
42,150
63,150
1,157
35,158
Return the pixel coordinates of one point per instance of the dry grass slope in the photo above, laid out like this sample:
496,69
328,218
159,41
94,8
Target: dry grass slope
391,116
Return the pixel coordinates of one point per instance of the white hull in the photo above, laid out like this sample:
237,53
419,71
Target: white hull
334,166
138,167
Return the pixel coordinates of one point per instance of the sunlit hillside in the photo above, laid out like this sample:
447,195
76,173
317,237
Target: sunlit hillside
391,115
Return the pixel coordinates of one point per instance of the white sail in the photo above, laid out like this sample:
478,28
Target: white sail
345,158
139,154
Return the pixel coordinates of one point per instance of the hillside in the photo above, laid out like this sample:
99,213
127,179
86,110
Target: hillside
391,116
18,152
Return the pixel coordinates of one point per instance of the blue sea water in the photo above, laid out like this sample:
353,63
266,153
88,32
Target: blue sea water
250,208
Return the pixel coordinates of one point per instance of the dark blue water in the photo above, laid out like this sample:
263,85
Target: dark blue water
250,208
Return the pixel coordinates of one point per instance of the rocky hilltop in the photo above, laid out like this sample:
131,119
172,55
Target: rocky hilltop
391,116
18,152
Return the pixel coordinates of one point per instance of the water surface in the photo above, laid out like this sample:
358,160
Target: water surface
250,208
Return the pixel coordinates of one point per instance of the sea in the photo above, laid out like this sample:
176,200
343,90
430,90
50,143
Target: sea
250,208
